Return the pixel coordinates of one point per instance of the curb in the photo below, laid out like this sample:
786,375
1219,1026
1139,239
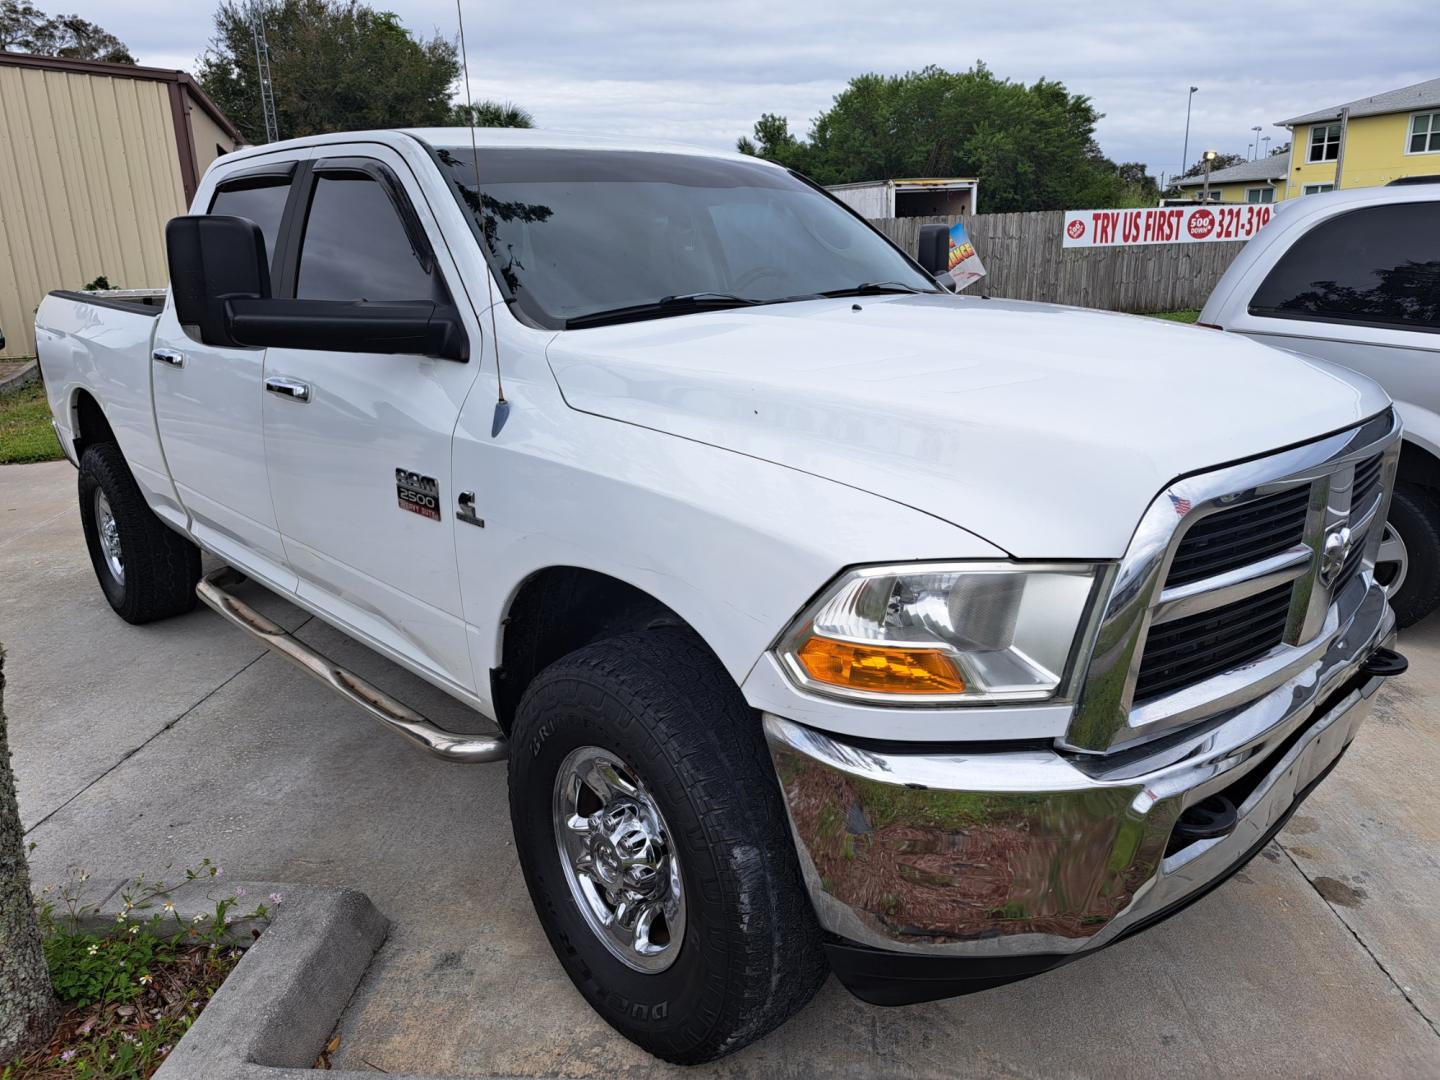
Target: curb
272,1016
20,379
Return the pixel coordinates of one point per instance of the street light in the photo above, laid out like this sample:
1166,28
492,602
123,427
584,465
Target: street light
1209,156
1185,154
1257,129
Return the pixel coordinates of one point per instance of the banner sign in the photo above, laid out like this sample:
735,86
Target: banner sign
965,266
1163,225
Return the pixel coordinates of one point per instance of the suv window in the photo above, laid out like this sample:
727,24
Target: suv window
260,199
356,247
1379,266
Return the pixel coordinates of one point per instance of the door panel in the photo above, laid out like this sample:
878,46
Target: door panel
339,425
207,407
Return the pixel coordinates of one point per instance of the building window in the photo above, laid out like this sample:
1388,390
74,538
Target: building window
1316,189
1324,142
1425,133
1260,194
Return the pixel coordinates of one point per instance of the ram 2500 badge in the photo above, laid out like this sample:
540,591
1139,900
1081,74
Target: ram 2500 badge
828,621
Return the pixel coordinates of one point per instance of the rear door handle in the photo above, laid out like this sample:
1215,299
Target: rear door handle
293,389
168,356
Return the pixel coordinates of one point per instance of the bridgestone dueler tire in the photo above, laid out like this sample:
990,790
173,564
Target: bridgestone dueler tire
751,954
1415,515
161,566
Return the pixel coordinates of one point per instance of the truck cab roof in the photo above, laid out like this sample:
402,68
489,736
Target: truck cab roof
501,138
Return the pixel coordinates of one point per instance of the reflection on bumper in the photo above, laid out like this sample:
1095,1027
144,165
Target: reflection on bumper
1002,854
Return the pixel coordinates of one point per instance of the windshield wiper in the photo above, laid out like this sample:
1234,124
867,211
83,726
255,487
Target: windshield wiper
873,288
666,305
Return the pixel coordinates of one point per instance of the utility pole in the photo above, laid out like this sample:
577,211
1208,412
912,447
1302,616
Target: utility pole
262,69
1266,141
1256,129
1185,154
1340,154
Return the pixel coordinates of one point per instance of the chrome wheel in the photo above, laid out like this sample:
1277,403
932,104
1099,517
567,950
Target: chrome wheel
1392,563
109,533
619,859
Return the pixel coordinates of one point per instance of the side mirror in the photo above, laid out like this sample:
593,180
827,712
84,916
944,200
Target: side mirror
411,327
214,260
934,253
220,279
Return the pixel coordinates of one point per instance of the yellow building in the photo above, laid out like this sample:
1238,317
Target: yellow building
94,159
1372,141
1259,181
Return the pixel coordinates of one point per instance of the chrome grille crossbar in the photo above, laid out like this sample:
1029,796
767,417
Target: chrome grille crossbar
1177,601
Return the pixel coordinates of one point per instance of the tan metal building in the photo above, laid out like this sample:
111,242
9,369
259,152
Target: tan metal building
94,159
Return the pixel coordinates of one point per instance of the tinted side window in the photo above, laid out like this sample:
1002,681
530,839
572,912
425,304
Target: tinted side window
1379,266
260,199
355,246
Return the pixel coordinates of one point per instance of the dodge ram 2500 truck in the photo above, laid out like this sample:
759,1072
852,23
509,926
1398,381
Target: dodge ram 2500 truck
828,621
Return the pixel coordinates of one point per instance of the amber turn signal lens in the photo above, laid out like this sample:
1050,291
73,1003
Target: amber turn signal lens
883,669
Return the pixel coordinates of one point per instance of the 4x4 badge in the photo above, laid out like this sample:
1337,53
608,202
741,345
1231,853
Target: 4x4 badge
418,494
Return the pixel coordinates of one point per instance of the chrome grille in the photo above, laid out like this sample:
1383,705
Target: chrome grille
1187,650
1367,479
1240,536
1234,581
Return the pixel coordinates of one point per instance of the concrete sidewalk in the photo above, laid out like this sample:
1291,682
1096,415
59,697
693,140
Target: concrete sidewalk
142,747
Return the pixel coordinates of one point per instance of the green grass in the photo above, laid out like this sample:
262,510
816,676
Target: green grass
25,431
1187,315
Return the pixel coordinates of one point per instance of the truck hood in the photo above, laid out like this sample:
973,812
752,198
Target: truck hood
1044,430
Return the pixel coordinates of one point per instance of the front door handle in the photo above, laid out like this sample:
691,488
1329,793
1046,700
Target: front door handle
168,356
293,389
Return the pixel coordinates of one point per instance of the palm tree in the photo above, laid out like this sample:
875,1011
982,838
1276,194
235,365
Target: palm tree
491,114
28,1010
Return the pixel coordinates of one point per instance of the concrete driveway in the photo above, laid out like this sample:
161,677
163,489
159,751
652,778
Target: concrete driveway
138,748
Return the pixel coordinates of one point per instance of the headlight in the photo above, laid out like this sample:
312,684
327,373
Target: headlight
956,633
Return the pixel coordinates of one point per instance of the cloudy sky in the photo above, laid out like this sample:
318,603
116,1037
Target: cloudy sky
702,73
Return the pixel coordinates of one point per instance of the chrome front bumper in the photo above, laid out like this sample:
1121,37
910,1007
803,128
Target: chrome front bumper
1021,853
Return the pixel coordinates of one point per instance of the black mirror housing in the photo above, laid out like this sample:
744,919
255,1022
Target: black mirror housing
419,327
934,245
214,259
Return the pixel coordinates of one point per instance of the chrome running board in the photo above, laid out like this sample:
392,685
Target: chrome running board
404,721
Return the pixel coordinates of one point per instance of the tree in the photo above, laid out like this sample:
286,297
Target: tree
493,114
1222,161
1032,146
28,1010
773,141
25,28
335,65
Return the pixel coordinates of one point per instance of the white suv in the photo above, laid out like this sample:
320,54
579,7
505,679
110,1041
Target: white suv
1354,277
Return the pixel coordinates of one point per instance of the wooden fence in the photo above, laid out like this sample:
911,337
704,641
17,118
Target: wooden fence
1024,261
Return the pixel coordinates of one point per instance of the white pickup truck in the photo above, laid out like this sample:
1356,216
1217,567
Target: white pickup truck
828,621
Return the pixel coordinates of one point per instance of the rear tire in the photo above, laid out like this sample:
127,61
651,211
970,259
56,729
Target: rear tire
146,570
660,707
1415,520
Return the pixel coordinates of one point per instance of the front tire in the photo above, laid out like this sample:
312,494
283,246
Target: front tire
723,945
146,570
1409,561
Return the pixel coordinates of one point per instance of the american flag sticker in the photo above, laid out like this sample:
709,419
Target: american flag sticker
1182,506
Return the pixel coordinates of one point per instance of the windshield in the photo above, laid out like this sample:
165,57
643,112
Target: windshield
579,233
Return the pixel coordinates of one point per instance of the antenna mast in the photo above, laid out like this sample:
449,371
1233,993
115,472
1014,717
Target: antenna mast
502,407
262,68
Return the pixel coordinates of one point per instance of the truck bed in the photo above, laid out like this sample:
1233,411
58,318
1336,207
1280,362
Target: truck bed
137,301
98,345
